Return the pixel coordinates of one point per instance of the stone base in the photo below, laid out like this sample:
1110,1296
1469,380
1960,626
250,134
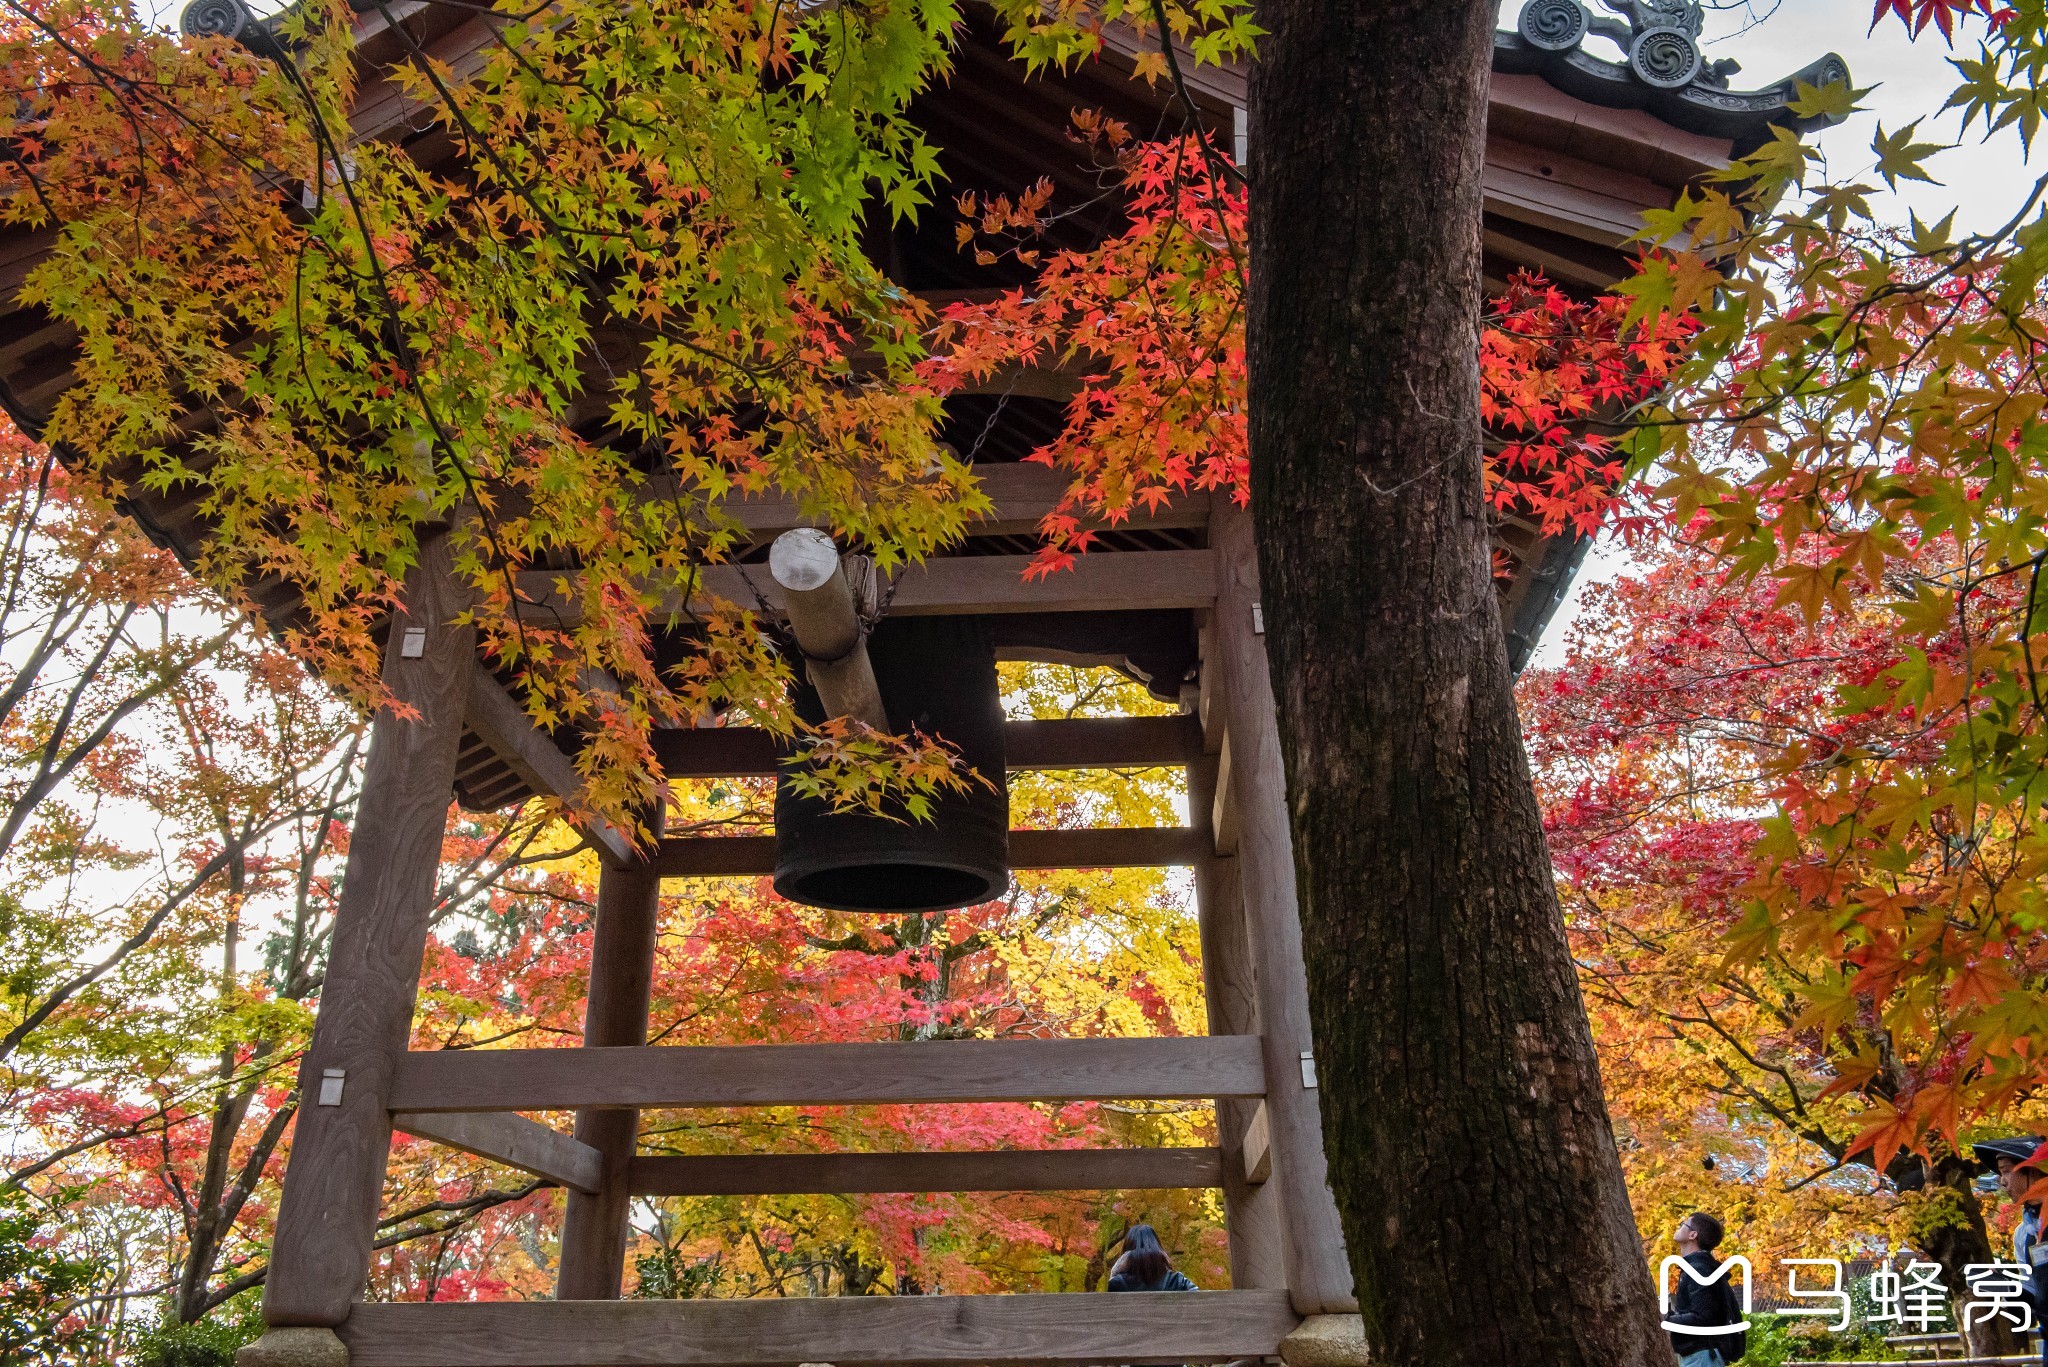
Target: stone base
1321,1341
294,1348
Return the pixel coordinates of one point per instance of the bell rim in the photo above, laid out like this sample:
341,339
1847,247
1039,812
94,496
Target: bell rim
801,870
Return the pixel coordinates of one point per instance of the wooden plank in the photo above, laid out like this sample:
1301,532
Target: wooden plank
384,108
1258,1147
1561,258
514,1141
1318,1268
804,1174
847,1331
1118,847
497,719
1078,743
1101,581
334,1182
595,1228
1163,1069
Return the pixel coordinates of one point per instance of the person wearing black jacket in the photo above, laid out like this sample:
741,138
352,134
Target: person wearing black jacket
2019,1163
1144,1265
1702,1306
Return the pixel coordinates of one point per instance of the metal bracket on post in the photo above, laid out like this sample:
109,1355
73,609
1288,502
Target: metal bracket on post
1308,1071
331,1081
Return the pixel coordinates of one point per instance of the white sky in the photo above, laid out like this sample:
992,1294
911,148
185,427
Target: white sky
1984,182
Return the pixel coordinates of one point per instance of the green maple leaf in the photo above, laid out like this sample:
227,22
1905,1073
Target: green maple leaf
1834,101
1899,157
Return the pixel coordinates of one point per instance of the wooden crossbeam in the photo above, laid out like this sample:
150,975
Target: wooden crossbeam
496,718
1166,1069
1023,495
514,1141
847,1331
1103,581
1079,743
1122,847
806,1174
1102,742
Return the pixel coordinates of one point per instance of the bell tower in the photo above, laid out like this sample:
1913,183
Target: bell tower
1580,145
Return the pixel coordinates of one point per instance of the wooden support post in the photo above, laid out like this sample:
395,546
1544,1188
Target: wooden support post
1251,1211
335,1180
1318,1268
621,985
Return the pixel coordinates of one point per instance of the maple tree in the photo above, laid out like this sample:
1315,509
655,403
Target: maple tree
1794,776
1154,318
724,287
1671,745
664,245
1858,428
173,800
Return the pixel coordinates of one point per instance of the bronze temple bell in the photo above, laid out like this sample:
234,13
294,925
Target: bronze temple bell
937,674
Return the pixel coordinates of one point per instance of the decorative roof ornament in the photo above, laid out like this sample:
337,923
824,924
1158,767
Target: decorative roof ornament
1661,37
232,19
215,19
1665,73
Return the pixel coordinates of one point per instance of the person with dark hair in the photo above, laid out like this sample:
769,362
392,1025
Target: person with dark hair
2020,1163
1144,1265
1703,1300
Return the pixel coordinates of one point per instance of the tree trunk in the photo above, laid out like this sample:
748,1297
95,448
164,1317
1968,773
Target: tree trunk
1948,1226
1469,1147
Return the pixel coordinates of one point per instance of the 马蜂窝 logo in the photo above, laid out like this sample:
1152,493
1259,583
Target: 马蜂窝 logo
1720,1273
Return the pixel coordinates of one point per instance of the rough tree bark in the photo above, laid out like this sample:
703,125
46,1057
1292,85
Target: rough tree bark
1946,1222
1469,1147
